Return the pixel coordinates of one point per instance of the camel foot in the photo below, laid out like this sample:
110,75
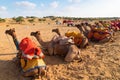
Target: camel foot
80,60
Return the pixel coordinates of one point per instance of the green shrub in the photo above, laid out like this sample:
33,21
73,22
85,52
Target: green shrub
2,20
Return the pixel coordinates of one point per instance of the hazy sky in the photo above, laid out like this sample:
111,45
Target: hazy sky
74,8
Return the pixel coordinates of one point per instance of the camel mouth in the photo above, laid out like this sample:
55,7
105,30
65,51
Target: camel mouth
7,31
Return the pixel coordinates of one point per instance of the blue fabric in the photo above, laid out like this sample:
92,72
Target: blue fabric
16,44
34,68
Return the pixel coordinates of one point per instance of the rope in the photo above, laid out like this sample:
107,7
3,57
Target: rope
10,43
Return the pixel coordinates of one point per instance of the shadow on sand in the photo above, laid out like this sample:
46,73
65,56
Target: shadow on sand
9,70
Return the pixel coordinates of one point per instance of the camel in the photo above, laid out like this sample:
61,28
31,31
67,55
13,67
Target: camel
98,36
24,64
59,45
84,41
84,28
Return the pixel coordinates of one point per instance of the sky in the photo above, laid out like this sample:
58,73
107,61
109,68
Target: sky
68,8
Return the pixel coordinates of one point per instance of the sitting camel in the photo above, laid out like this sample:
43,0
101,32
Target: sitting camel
59,45
100,35
79,39
29,57
95,34
84,28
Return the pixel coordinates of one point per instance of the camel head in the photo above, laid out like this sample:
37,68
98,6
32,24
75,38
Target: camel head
56,31
37,33
11,32
78,25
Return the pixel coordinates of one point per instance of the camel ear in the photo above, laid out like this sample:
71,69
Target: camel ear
13,29
38,32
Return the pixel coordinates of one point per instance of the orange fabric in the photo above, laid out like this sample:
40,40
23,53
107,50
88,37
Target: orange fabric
99,36
90,34
29,48
77,36
77,41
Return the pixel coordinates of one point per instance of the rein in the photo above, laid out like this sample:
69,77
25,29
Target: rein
10,42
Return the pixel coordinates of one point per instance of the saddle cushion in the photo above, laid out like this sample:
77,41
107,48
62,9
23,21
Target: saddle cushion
30,49
31,64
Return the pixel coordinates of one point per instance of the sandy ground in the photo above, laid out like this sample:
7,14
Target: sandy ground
99,61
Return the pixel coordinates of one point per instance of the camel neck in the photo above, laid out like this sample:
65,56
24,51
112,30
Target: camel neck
41,42
14,37
16,42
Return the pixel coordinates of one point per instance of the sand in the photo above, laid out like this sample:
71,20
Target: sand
99,61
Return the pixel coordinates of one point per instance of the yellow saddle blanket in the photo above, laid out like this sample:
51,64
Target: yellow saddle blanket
77,36
31,64
73,33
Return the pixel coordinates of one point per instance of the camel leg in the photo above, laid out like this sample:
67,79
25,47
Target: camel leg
55,38
50,48
105,40
72,54
84,43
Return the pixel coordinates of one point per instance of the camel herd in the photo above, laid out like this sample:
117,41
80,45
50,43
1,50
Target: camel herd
68,45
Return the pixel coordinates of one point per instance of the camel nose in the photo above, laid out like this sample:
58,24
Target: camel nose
6,32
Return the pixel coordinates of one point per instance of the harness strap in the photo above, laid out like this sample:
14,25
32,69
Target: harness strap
41,71
10,42
25,60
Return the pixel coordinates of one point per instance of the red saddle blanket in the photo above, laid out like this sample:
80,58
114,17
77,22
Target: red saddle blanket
30,49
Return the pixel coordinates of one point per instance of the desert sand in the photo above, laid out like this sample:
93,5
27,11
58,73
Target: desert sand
99,61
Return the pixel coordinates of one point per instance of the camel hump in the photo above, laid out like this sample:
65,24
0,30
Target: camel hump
63,40
66,41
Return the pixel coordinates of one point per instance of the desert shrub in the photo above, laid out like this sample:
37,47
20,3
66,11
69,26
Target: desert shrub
31,17
53,18
31,20
19,19
2,20
43,19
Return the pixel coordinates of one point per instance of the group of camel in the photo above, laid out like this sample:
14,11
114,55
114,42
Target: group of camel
59,44
52,47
